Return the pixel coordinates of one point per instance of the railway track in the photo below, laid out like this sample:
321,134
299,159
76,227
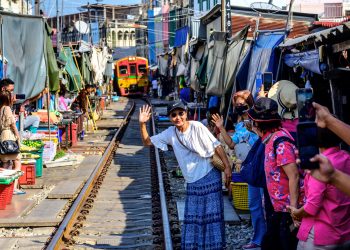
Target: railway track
122,205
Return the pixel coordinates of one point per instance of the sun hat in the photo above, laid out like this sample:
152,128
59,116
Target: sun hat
264,110
175,105
283,92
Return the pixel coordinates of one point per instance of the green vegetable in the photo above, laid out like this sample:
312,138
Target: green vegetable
59,154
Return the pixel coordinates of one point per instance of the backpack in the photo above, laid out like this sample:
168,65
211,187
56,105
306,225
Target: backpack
252,169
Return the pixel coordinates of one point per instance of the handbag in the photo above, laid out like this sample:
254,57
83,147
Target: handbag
8,146
215,160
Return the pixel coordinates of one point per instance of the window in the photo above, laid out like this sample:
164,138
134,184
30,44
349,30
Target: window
120,35
133,69
126,34
132,35
142,69
123,70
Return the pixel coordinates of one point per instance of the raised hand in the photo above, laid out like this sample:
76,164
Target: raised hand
145,114
218,120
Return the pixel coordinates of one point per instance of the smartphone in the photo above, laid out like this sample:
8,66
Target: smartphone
20,96
267,80
304,102
307,142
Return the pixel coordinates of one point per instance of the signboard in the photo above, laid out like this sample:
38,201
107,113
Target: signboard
228,18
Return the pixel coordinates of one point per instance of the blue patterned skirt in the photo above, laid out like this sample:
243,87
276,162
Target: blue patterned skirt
204,226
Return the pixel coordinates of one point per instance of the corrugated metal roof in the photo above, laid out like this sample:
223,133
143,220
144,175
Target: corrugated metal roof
319,36
299,28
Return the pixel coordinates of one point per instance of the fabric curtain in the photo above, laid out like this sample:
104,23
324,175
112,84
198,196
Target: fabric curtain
23,44
216,56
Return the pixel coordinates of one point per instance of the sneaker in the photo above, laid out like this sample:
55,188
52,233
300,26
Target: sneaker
251,246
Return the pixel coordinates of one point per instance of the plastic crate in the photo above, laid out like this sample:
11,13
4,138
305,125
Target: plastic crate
29,175
39,161
240,195
3,196
10,189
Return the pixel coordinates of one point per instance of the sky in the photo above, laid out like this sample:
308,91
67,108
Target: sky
70,6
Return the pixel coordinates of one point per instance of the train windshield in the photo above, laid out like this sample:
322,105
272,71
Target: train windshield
133,69
142,69
123,70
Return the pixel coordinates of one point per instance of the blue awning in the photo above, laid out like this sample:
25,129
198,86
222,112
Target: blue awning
181,36
263,58
308,60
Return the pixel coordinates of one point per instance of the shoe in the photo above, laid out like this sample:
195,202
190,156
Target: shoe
18,192
251,245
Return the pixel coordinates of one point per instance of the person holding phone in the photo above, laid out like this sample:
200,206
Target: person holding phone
243,101
282,174
318,216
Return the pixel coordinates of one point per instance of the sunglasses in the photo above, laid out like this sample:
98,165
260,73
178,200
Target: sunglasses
174,114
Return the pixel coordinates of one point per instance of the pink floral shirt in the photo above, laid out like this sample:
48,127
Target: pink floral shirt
276,179
328,207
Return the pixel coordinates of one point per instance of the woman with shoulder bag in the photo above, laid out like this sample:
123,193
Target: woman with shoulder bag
9,132
242,141
194,145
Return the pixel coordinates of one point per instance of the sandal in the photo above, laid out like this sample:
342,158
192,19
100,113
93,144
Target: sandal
18,192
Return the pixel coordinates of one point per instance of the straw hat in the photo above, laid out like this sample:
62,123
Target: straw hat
283,92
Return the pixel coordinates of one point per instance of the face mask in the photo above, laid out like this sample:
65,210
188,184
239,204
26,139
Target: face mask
241,109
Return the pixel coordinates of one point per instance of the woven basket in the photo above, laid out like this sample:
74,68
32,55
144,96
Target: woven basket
240,195
217,162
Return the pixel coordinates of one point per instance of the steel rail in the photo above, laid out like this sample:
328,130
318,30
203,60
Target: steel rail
67,223
168,243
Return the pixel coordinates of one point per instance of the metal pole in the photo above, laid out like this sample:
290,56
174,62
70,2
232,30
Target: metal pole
37,7
62,21
223,13
90,38
2,47
58,35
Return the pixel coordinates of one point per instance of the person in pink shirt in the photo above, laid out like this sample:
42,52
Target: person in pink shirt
325,216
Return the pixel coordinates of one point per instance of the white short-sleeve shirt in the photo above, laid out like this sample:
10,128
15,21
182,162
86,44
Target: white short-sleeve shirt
194,164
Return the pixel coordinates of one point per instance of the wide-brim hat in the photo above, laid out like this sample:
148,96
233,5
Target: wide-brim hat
264,110
175,105
283,92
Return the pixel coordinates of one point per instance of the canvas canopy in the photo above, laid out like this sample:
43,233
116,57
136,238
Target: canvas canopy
263,56
72,70
23,45
216,56
52,67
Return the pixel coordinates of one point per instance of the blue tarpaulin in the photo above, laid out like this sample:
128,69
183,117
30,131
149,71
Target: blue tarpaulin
263,58
181,36
309,60
151,39
95,33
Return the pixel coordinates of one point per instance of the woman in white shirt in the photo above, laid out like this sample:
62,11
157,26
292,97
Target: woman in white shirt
193,146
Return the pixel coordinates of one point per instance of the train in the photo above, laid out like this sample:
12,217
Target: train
131,76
